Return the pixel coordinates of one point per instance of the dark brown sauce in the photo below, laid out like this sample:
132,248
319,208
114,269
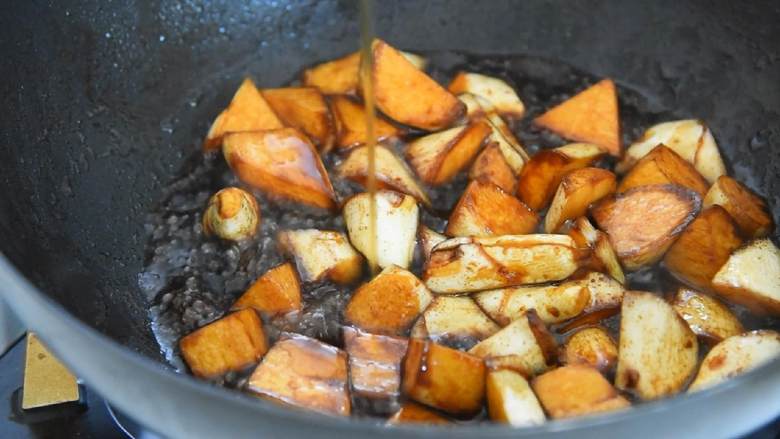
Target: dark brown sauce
191,280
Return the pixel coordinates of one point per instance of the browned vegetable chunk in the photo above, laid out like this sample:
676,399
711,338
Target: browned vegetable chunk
444,378
644,222
540,177
592,347
407,95
491,166
578,189
589,116
657,351
428,239
437,158
703,248
604,257
501,96
484,209
231,343
748,209
553,303
248,111
304,372
339,76
707,317
351,119
374,363
278,291
511,401
664,166
389,303
304,108
456,321
321,254
412,413
232,214
576,390
751,277
282,163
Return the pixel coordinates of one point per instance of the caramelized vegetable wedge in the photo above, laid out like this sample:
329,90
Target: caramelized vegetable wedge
691,139
278,291
658,351
525,345
396,227
281,163
664,166
578,189
553,303
703,248
304,108
510,399
576,390
304,372
351,119
391,172
604,257
606,296
484,209
461,265
541,176
476,106
409,96
736,355
591,347
644,222
374,363
491,166
389,303
510,147
412,413
457,321
589,116
751,277
707,317
248,111
428,239
339,76
232,214
231,343
443,378
437,158
748,209
496,91
321,254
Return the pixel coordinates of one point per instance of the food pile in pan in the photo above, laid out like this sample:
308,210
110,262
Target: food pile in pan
511,309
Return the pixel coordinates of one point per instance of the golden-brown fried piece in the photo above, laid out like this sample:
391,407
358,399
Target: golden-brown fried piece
304,108
592,347
707,317
491,166
510,399
658,351
484,209
604,257
645,221
553,303
282,163
576,390
501,95
541,176
321,254
589,116
339,76
439,157
389,303
232,214
278,291
751,277
577,191
351,120
304,372
248,111
413,413
409,96
748,209
428,239
703,248
231,343
456,321
374,363
664,166
444,378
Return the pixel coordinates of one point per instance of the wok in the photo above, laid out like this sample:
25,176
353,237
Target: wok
103,102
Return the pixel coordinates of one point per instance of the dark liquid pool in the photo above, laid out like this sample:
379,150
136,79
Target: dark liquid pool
192,280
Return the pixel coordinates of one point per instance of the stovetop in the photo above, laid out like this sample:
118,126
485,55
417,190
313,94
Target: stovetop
97,420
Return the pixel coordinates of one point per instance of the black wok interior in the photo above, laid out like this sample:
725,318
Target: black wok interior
104,101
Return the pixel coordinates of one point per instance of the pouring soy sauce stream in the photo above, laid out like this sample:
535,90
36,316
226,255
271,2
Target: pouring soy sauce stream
367,84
